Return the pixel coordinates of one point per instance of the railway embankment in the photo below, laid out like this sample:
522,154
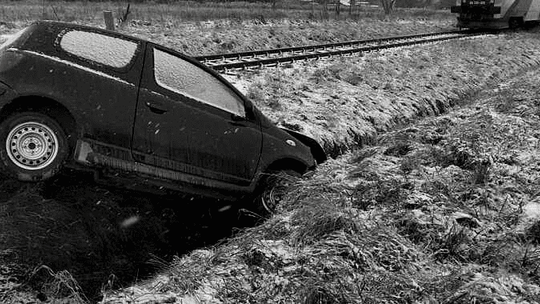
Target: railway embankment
440,207
347,102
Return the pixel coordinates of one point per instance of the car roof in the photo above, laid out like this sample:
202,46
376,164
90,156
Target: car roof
59,26
56,28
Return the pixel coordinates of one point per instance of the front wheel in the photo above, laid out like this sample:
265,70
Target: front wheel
34,146
273,190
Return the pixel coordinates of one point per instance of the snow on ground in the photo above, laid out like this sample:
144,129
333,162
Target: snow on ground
346,102
436,169
438,207
3,38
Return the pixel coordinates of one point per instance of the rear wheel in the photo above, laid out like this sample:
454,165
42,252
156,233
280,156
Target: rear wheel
34,146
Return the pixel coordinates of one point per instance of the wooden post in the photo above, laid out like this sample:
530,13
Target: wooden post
109,20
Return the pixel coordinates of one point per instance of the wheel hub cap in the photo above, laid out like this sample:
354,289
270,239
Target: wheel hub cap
31,145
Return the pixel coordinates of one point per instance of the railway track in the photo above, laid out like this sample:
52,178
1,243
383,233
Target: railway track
274,57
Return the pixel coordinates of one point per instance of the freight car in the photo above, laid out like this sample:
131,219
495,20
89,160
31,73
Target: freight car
496,14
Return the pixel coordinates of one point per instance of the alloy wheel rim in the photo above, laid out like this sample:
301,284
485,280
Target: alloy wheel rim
32,145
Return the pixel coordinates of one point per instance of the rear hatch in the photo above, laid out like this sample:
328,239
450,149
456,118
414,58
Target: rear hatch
16,39
8,58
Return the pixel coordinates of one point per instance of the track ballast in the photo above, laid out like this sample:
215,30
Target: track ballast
274,57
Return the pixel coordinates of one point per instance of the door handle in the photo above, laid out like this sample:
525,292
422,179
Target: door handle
155,107
237,123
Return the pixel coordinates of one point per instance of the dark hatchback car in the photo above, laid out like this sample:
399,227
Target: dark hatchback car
128,108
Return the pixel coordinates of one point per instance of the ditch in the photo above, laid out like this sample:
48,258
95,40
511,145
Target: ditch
104,237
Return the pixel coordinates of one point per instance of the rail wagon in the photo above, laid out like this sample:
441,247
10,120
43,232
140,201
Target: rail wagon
496,14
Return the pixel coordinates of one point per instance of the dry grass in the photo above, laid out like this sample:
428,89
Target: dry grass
443,210
205,32
440,211
178,12
346,102
62,220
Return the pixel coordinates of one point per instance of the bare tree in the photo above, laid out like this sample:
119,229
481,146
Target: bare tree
388,6
352,5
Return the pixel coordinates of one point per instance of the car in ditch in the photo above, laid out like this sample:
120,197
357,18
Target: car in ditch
136,112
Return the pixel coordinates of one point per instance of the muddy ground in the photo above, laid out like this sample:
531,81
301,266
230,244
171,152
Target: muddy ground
104,236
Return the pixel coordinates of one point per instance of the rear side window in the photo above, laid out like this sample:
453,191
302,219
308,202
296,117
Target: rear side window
178,75
110,51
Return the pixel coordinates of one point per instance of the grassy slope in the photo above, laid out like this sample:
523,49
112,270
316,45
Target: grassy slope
33,237
442,210
347,101
378,224
222,37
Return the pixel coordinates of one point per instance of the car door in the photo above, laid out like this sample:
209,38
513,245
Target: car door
189,120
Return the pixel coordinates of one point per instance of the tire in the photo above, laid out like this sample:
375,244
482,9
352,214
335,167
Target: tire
272,191
33,146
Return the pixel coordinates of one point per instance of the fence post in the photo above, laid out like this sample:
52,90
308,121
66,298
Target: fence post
109,20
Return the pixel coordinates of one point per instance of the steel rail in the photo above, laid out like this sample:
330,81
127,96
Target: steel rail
274,57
